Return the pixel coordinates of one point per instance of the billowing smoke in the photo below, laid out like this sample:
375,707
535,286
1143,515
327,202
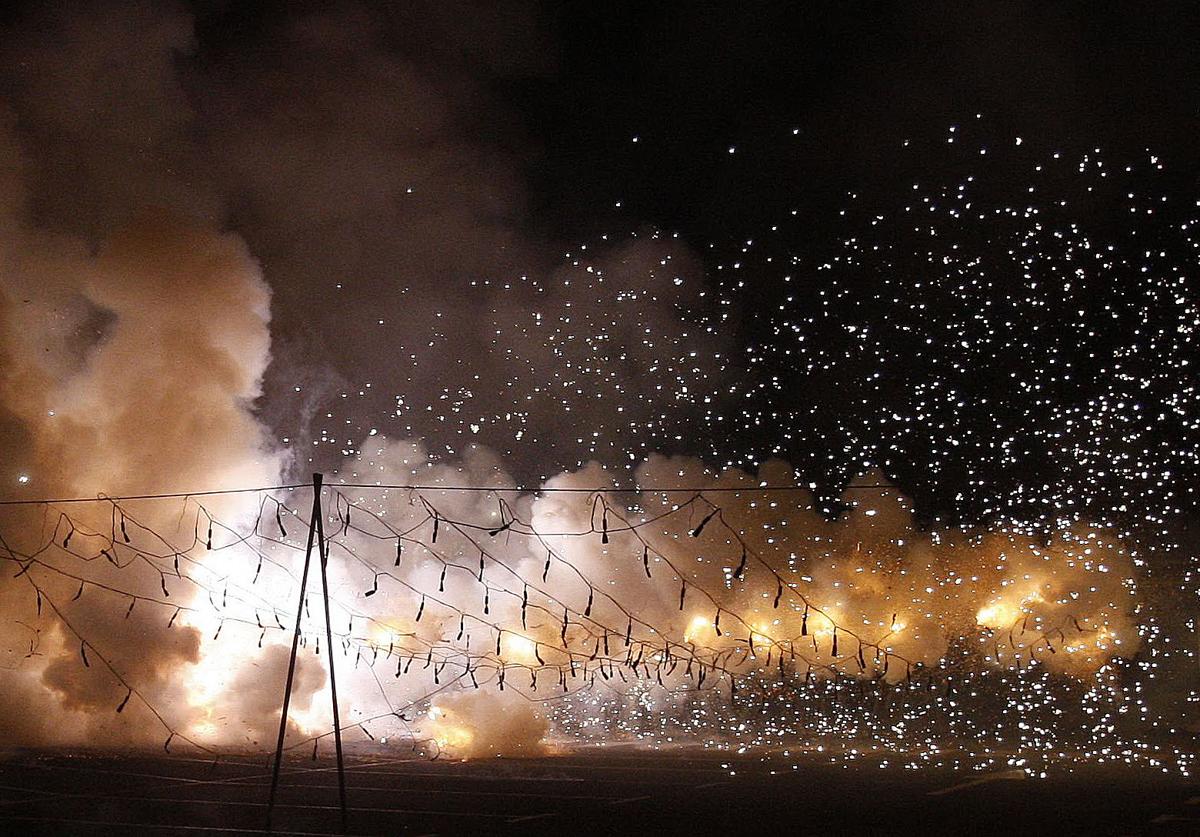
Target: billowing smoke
163,208
705,579
367,160
477,725
493,596
129,369
135,325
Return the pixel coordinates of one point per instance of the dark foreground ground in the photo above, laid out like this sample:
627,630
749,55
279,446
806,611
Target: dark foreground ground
611,792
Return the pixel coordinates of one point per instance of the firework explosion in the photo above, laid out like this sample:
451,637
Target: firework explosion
915,486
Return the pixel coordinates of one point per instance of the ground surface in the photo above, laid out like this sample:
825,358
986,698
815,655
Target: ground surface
614,792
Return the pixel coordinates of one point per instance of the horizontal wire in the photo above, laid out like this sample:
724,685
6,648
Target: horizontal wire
607,489
174,495
520,489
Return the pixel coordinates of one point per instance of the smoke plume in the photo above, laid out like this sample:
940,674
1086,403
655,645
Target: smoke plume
129,369
171,210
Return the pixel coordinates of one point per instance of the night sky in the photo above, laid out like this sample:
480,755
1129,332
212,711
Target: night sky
755,128
596,231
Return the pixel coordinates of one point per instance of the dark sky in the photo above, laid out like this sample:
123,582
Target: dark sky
599,230
816,105
854,78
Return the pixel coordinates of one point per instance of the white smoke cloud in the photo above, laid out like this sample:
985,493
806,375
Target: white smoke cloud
130,369
135,335
896,597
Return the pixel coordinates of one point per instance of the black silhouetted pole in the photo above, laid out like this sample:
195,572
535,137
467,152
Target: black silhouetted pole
323,549
316,531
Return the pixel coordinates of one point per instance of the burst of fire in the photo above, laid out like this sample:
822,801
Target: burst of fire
519,649
447,734
697,627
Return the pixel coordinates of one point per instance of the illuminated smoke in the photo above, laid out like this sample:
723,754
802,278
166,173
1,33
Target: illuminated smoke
134,342
898,596
132,369
480,724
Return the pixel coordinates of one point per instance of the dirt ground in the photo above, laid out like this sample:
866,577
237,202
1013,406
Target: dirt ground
615,791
